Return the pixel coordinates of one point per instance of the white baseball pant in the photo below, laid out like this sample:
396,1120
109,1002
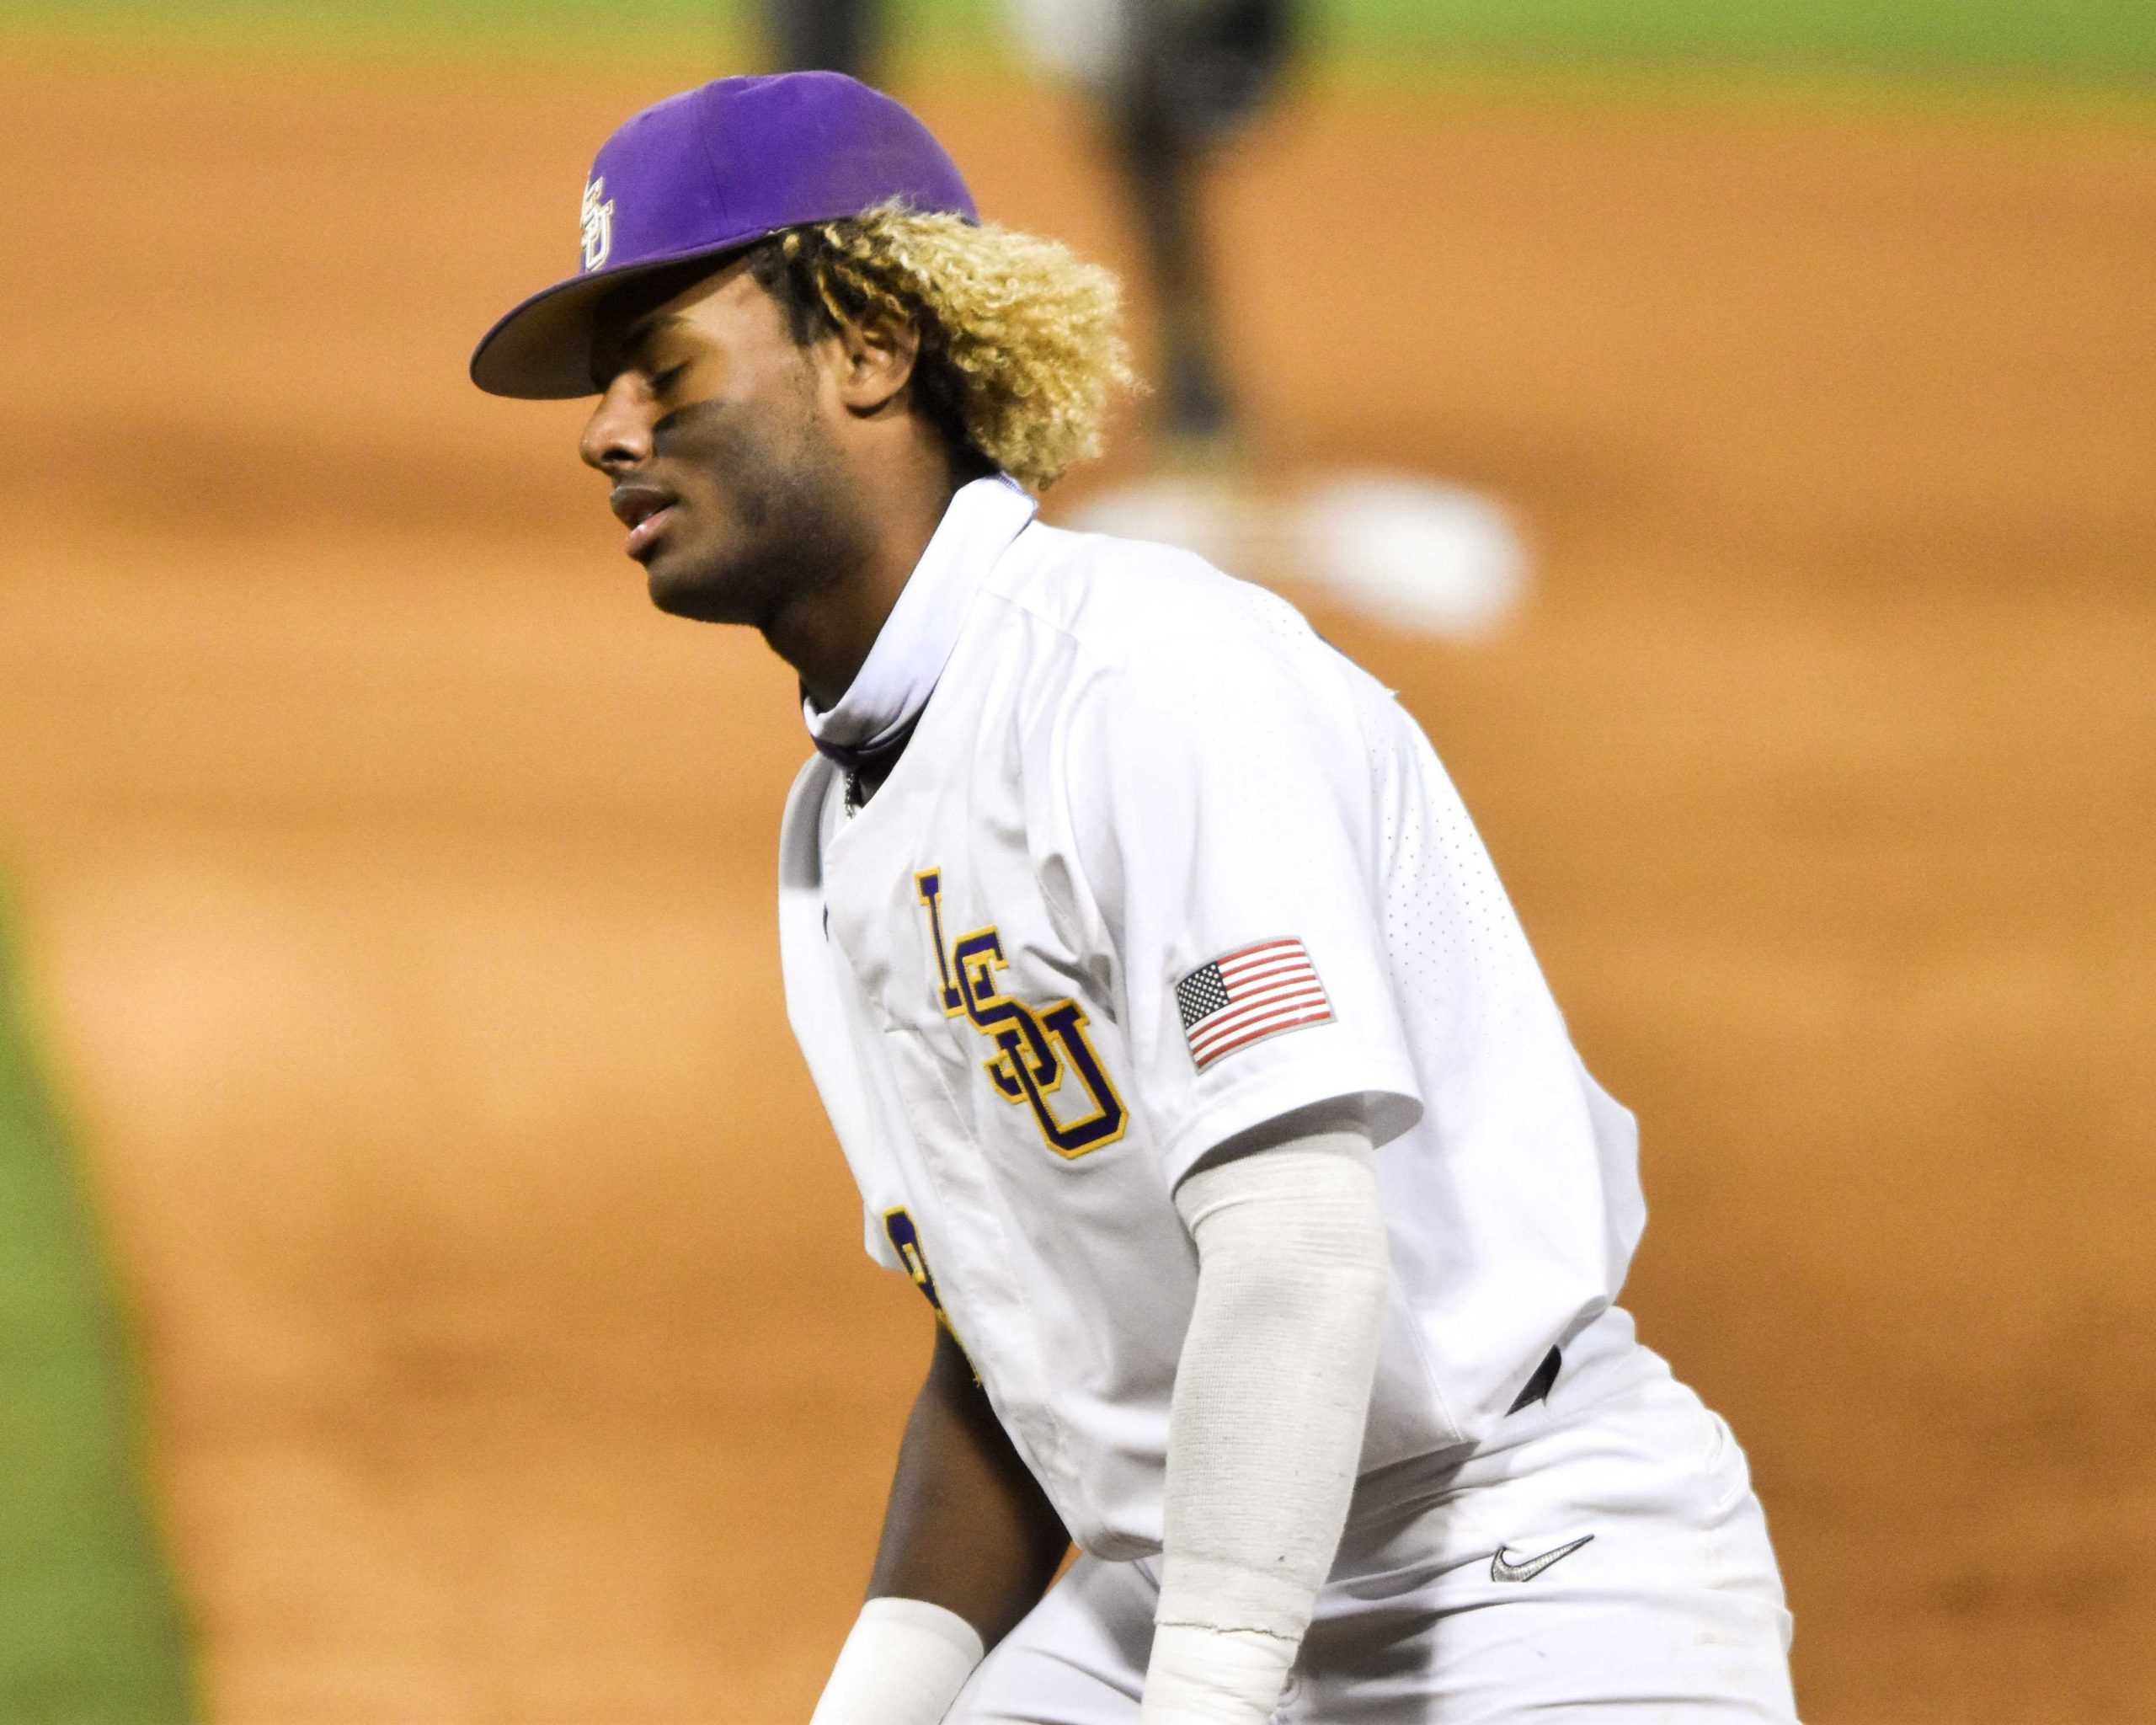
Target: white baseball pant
1437,1613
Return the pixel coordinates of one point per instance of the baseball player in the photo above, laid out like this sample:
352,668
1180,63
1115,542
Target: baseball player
1184,1044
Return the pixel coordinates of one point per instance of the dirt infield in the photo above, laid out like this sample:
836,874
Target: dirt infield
399,885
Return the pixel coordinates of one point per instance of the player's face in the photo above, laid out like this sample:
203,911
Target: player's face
712,425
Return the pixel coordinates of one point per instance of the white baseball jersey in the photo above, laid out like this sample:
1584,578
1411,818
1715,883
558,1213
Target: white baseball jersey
1156,867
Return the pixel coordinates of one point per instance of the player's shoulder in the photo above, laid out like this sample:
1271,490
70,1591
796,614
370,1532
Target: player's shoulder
1140,610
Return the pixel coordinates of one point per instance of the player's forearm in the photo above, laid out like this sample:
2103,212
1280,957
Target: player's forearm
967,1527
969,1544
1266,1430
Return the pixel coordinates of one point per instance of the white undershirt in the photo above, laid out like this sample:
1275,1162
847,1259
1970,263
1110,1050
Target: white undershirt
1266,1430
893,684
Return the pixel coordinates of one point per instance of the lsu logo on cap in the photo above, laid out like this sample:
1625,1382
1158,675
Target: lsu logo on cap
597,220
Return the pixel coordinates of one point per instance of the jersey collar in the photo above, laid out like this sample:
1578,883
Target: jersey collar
871,722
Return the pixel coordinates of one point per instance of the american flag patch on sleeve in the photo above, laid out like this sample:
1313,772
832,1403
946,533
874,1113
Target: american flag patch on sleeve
1245,996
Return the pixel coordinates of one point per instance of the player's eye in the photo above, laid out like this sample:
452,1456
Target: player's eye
661,381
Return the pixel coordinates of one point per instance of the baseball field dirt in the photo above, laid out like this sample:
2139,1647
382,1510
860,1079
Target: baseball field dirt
398,885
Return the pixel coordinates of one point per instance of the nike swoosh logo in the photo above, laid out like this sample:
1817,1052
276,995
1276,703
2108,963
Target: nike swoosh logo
1501,1570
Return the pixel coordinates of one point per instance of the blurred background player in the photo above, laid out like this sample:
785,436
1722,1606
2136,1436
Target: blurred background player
1171,79
1172,82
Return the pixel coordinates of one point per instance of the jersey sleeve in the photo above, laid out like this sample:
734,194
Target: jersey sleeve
1225,827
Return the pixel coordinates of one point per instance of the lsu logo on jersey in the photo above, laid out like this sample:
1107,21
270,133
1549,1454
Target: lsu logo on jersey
1034,1049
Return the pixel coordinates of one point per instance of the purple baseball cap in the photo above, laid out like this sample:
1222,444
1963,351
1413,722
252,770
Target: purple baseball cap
706,172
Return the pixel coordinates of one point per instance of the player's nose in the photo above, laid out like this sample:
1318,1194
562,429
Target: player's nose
618,433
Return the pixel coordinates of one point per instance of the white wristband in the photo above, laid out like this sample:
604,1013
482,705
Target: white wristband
904,1665
1213,1676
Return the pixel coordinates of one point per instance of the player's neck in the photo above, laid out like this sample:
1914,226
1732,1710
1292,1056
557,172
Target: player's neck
826,635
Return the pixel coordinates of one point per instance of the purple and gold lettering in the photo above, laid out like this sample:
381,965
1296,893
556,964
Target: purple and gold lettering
905,1241
928,884
1026,1066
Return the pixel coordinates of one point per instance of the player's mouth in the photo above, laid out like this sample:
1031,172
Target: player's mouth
645,509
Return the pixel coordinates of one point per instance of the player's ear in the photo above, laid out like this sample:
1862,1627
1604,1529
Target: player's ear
874,361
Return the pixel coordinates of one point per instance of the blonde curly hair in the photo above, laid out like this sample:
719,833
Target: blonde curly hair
1022,342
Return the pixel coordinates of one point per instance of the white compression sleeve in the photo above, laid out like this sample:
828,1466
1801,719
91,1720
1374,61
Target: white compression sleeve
1266,1429
904,1665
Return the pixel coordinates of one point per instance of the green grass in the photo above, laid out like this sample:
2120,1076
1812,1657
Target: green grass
89,1631
2103,41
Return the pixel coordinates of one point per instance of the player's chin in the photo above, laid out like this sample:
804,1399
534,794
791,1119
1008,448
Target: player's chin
682,588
